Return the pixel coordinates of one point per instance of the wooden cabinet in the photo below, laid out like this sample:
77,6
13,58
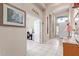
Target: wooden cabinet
70,49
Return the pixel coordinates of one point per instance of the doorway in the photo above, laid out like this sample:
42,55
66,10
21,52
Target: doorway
61,26
34,27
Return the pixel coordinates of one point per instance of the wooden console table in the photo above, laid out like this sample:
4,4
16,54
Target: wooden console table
70,49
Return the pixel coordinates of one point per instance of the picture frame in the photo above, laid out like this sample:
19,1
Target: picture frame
47,25
13,16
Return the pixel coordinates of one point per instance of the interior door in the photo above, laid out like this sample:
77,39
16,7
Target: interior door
37,30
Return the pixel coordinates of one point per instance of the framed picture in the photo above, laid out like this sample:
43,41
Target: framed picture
47,25
13,16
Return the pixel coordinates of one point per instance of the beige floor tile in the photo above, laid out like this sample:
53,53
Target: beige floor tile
53,47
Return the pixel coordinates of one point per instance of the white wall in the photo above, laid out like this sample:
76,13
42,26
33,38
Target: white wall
12,39
46,14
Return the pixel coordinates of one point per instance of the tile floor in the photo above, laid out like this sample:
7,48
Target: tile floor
54,47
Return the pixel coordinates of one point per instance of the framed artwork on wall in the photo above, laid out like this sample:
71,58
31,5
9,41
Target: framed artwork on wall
47,25
13,16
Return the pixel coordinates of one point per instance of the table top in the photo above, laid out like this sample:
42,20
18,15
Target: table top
71,40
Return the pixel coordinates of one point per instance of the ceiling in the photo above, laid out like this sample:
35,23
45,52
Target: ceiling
54,7
42,6
45,5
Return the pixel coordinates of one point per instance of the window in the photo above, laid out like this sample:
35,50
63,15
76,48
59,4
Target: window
62,19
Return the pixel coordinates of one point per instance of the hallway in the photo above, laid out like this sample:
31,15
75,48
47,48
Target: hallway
53,47
38,29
